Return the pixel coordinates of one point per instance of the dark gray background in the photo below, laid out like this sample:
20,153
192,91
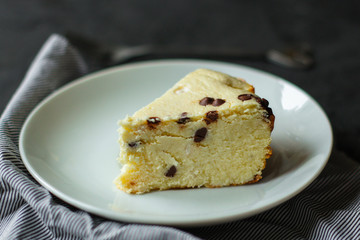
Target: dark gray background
331,27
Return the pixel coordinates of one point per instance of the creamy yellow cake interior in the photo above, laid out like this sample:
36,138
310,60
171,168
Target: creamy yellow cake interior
209,130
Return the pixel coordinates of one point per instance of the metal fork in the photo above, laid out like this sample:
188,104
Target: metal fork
294,57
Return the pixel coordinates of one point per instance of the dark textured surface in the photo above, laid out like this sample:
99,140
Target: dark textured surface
331,27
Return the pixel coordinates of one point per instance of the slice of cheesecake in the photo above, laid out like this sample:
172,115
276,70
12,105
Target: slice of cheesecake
209,130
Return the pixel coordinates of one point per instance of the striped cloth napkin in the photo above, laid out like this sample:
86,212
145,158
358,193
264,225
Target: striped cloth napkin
328,209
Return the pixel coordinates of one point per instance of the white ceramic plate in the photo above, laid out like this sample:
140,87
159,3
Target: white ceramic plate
69,144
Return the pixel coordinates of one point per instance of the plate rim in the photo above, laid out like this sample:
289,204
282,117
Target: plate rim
129,218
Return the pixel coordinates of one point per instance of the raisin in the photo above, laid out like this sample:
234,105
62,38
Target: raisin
206,101
153,122
218,102
264,102
244,97
134,144
211,116
200,134
171,172
183,118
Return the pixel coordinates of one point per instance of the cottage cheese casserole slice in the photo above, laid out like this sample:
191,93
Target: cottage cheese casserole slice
208,130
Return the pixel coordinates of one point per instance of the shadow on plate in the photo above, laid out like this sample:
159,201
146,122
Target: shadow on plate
285,158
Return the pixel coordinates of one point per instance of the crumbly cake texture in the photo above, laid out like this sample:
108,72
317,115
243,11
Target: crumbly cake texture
208,130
